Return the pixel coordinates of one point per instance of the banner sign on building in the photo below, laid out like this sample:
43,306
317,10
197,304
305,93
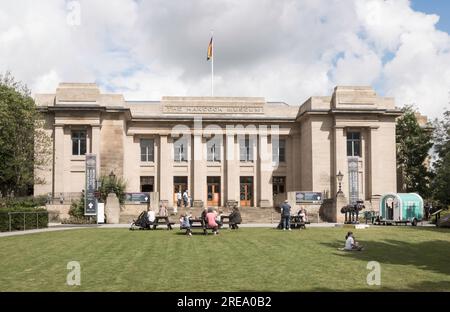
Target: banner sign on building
90,202
353,182
308,197
137,197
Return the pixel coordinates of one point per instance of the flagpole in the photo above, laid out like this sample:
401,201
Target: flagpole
212,63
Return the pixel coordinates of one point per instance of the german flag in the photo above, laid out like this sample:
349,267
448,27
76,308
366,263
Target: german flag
210,50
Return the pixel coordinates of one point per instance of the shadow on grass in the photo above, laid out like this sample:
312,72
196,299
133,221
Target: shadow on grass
431,255
418,287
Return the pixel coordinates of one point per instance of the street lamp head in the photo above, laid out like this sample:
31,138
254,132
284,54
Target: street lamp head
340,176
112,175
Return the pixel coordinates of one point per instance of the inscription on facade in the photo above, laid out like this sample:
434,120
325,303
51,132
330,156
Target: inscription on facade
242,109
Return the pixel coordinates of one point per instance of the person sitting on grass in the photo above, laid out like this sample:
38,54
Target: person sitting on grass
351,243
185,222
212,224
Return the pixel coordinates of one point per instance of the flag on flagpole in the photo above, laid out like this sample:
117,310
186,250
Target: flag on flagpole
210,50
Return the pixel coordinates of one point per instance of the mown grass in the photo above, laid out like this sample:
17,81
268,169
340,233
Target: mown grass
250,259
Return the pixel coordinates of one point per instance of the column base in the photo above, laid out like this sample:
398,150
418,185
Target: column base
231,203
265,203
339,202
197,204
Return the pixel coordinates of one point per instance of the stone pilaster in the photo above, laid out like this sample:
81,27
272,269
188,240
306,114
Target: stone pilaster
165,172
265,172
58,187
232,170
199,163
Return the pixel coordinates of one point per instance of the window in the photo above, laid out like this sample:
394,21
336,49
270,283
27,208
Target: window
147,184
79,142
147,149
246,149
353,144
213,153
279,150
180,150
279,185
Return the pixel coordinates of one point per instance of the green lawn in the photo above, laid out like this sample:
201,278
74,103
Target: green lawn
250,259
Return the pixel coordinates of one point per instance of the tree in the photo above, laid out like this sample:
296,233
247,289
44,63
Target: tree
413,145
441,167
24,146
112,184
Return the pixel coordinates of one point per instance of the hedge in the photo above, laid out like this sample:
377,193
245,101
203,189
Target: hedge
15,209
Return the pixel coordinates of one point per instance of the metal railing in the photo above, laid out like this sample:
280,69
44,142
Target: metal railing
24,213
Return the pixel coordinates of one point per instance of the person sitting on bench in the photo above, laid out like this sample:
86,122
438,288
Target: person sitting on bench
151,217
351,243
235,218
185,222
302,215
212,224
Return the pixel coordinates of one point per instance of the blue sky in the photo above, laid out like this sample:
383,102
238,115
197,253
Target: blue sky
439,7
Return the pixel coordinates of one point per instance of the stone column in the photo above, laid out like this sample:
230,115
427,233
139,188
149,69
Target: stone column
265,172
339,202
232,170
199,164
58,181
165,172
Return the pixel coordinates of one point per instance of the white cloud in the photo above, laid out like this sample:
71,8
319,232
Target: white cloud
283,50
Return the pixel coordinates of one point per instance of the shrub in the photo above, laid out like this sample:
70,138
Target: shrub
112,185
32,220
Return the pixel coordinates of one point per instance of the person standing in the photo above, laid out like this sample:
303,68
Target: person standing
185,198
179,198
286,215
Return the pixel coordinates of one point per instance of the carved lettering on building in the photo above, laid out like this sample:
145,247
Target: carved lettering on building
171,109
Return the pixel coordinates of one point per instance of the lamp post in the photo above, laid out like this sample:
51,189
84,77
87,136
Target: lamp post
112,176
339,177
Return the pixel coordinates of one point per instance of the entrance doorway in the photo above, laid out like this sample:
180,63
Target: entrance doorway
246,191
179,184
213,187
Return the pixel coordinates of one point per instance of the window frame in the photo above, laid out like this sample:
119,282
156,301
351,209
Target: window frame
147,155
79,139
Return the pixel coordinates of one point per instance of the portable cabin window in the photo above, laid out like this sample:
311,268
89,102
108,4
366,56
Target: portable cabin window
353,143
147,150
78,142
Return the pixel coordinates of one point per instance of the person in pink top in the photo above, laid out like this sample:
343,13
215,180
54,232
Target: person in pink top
212,224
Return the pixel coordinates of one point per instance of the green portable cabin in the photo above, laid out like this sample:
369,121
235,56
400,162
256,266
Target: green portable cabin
401,207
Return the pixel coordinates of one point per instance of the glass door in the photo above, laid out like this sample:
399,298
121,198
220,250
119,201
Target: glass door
246,191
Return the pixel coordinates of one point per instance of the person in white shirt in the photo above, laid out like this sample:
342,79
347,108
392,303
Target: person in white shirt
179,199
151,217
350,243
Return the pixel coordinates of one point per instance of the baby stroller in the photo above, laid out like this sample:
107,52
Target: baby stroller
141,223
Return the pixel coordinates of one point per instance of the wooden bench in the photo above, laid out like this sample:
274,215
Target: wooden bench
297,223
196,224
161,220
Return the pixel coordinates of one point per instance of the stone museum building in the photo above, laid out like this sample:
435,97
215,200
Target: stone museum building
225,151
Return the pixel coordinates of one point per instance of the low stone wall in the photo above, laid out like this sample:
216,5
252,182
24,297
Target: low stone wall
56,213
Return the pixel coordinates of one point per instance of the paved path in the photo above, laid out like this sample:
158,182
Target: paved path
63,227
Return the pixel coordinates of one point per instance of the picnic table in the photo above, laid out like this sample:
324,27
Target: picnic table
225,220
196,223
298,223
160,220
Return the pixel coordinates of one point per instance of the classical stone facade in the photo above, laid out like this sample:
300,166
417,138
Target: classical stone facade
224,150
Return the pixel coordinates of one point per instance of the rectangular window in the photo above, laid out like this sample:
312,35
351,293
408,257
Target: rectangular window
79,142
246,149
180,150
353,144
147,184
147,149
279,150
279,185
213,150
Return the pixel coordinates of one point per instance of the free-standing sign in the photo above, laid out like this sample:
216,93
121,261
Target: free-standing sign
353,179
90,202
